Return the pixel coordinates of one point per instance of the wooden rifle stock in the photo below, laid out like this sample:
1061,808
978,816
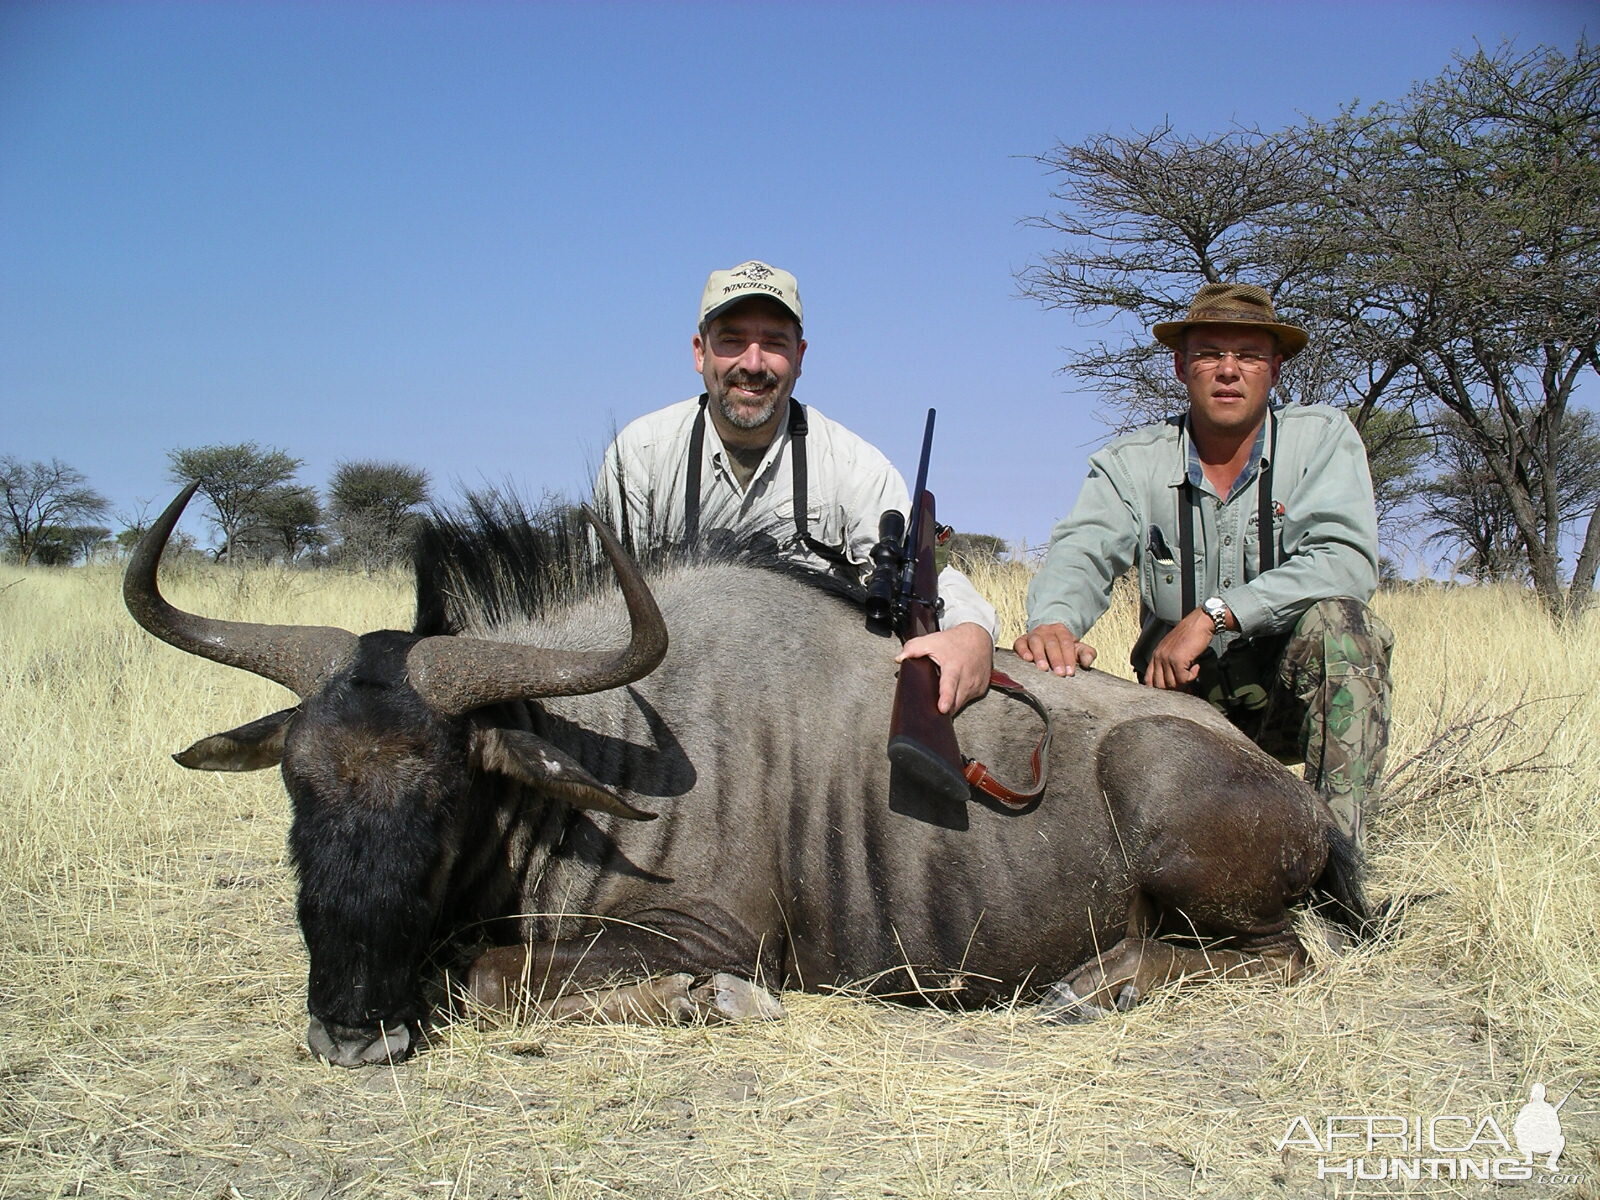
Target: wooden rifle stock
922,740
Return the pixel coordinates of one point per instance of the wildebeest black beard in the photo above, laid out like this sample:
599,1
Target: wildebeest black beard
378,784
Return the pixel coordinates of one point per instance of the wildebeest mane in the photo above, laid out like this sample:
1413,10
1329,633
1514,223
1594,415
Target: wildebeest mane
493,559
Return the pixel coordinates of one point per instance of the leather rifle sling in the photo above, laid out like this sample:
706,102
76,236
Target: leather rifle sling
979,775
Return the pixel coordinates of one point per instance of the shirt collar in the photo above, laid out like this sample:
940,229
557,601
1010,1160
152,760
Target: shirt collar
1196,474
720,454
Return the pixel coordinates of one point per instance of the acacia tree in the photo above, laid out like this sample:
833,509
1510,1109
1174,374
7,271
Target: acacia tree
1150,216
374,508
87,541
237,480
63,545
1469,217
286,522
40,497
1444,252
1472,515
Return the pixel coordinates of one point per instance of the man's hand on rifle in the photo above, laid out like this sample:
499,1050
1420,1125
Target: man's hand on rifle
1054,647
965,657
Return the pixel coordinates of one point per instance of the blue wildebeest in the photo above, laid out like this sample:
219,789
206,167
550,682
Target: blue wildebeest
489,771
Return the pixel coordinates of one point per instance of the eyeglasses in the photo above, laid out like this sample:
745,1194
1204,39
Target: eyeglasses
1248,360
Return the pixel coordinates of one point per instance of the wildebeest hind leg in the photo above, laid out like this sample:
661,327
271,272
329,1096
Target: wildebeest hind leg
563,981
1123,975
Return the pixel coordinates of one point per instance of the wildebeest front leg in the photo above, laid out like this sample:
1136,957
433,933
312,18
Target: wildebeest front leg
578,981
1124,974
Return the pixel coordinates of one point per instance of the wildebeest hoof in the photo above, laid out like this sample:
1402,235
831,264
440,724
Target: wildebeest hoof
726,997
346,1047
1127,997
1065,1007
666,1000
660,1001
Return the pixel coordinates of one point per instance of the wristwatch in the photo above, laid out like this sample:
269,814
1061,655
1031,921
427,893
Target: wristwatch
1218,612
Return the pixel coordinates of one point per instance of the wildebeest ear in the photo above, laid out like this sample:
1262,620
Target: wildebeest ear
535,762
247,748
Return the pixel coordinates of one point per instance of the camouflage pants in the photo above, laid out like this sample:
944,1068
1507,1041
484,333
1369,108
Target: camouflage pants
1319,695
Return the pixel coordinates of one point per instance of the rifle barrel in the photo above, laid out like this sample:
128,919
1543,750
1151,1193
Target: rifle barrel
922,484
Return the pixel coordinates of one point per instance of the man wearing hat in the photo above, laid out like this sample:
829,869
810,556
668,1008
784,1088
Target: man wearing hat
1275,631
746,458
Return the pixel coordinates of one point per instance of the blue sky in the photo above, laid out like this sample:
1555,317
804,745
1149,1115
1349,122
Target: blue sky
472,236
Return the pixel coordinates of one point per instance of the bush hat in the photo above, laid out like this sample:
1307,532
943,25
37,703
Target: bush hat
1233,304
754,278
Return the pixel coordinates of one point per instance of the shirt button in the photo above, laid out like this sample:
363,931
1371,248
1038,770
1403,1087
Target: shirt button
1227,541
1227,583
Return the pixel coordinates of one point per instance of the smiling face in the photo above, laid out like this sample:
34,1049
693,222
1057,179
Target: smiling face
1230,373
749,357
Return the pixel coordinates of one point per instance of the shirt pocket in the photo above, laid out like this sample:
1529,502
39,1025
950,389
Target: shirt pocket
1251,555
1163,586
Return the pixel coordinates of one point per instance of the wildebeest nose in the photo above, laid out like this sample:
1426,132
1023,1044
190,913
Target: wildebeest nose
346,1047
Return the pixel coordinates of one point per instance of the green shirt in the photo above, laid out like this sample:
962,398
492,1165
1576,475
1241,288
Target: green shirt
1127,515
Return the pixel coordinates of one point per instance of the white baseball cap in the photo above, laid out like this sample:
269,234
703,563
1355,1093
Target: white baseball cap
753,278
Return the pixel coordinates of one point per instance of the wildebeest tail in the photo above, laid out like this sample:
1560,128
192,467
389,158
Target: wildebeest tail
1338,894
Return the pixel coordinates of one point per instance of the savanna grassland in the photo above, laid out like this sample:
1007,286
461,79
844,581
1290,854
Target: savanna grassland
152,978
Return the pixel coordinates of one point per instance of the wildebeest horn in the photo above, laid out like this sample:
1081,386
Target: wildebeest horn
301,657
458,674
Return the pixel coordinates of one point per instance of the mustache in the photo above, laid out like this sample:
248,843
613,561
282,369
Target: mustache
739,377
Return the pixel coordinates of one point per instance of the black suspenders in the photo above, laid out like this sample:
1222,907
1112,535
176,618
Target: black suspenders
691,487
1189,498
797,453
1266,508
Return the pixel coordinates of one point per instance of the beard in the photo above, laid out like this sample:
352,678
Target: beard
748,413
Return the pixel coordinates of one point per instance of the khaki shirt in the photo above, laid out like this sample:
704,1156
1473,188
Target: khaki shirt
1325,528
849,484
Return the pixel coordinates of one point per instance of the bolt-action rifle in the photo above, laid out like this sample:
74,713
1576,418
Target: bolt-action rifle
903,597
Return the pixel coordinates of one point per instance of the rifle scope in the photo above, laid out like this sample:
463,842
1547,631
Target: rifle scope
888,558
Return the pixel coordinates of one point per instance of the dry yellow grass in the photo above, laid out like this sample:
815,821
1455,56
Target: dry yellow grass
152,979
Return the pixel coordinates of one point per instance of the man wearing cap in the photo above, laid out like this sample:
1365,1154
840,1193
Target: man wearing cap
746,458
1273,631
